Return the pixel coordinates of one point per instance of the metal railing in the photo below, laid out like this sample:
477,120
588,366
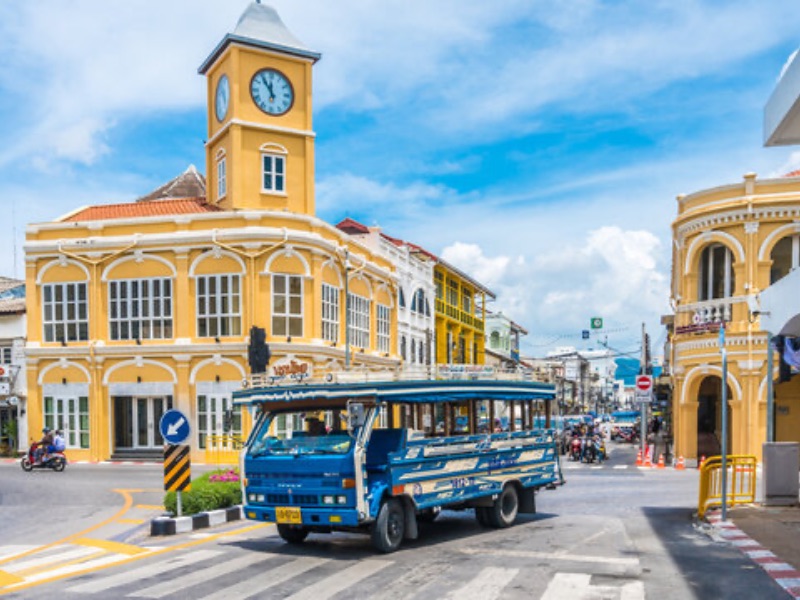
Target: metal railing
741,482
224,448
402,373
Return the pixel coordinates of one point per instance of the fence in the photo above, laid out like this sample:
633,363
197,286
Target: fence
741,484
223,449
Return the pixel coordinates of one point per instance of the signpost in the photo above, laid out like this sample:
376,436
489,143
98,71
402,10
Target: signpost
597,322
644,395
174,427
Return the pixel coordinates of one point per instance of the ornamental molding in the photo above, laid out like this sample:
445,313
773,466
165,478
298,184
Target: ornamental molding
713,342
732,217
751,227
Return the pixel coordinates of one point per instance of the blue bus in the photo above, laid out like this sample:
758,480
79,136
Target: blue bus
378,457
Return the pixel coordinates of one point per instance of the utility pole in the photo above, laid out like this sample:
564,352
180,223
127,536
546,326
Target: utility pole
643,404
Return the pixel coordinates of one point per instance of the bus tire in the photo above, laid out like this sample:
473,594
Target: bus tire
389,528
292,533
504,511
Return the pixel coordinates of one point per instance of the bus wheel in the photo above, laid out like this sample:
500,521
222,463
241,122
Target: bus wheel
390,526
504,511
292,533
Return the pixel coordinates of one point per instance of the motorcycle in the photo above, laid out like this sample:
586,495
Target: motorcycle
575,449
628,435
589,450
55,460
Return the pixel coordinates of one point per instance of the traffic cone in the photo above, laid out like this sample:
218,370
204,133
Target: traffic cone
639,458
648,459
661,464
680,465
702,460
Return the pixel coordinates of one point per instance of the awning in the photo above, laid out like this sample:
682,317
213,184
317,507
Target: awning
779,306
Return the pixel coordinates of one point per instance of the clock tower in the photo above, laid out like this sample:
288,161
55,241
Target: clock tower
260,147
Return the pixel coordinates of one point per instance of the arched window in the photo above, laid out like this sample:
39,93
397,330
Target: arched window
716,273
413,350
494,340
403,353
401,300
785,257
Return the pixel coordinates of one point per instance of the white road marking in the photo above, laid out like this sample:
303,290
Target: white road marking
254,586
607,560
6,552
67,553
341,580
577,586
201,576
129,576
620,466
488,585
102,561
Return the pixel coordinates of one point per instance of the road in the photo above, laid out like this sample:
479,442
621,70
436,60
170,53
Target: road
612,532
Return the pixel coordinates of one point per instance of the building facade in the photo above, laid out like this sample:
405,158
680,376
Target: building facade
13,381
415,293
137,308
502,341
730,243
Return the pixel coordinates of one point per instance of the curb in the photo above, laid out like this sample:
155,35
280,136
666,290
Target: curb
784,574
174,525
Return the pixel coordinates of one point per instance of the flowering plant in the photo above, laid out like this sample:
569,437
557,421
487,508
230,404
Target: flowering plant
228,476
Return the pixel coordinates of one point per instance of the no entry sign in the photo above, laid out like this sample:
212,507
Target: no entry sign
644,383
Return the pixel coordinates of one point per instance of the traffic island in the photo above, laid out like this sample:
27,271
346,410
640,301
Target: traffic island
204,520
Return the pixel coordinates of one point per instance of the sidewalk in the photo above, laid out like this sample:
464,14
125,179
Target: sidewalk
768,535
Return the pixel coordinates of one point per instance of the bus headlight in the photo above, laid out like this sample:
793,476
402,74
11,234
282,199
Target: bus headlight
328,500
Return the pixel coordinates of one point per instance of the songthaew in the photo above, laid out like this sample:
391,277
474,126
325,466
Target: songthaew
371,456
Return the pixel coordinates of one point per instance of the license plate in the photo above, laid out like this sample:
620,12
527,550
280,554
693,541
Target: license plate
288,514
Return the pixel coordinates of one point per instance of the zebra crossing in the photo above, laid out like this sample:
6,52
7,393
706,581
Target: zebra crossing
217,573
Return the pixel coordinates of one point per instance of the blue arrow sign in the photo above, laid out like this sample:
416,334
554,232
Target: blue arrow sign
174,426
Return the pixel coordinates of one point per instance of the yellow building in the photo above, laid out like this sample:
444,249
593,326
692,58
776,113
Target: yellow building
730,243
136,308
460,316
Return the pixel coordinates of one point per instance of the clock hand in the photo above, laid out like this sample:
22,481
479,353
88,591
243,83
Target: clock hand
269,87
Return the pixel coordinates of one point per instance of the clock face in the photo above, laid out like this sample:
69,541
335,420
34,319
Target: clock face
222,97
272,92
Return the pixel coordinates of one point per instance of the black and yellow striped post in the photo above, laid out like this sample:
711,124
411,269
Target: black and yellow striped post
177,471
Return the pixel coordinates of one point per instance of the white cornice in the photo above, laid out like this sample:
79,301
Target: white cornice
260,127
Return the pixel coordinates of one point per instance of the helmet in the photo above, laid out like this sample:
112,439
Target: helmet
46,430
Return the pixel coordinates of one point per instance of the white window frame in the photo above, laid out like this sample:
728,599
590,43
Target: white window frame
708,276
219,305
6,352
330,313
273,182
74,421
383,328
290,318
65,318
207,426
147,310
222,179
358,309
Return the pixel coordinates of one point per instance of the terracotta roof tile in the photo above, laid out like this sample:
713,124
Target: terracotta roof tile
793,174
151,208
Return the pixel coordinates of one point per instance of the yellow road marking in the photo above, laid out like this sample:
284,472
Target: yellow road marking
150,506
8,579
108,545
43,568
126,494
131,521
136,557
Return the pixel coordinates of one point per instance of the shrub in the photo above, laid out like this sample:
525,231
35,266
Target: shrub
210,491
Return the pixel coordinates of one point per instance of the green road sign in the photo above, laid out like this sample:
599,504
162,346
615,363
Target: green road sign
597,322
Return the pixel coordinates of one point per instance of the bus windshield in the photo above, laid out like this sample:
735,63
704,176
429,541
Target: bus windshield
301,432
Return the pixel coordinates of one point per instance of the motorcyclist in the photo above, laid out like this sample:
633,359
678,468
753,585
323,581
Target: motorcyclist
45,445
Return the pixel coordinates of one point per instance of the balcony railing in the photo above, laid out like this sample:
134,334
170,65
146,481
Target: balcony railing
708,315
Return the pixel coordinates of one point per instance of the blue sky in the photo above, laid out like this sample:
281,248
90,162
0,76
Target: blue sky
538,146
